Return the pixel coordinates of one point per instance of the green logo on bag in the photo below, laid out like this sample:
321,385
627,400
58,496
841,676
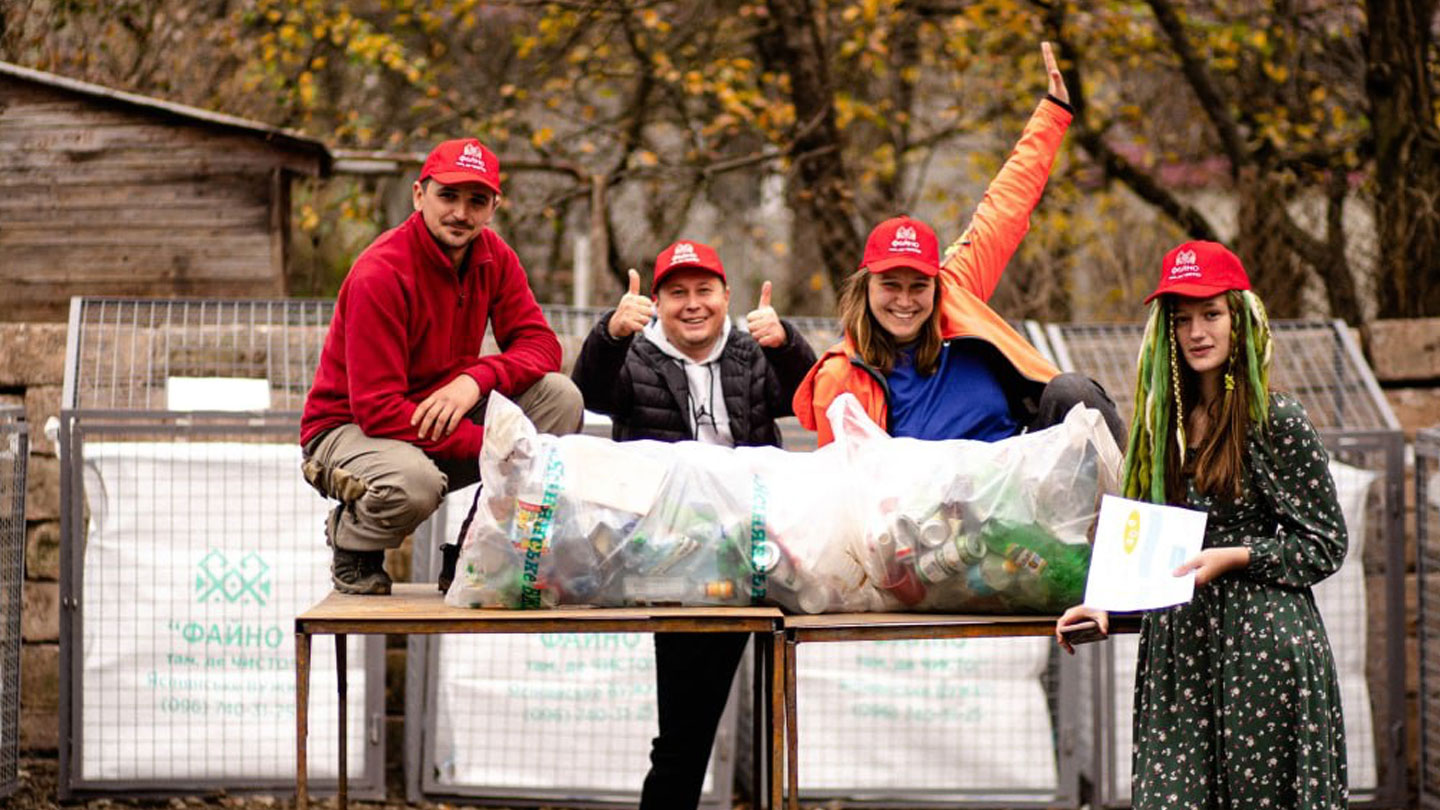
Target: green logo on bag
220,580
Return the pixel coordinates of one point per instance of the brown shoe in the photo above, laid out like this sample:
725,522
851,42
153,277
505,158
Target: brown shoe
360,572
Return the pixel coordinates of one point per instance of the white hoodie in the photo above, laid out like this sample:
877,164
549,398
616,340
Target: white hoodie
709,420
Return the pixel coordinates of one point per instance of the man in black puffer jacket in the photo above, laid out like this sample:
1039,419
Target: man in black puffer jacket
689,375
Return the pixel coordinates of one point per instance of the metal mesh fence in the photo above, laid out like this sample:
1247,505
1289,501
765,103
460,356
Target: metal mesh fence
1362,605
1318,361
1427,533
938,722
127,354
14,450
189,544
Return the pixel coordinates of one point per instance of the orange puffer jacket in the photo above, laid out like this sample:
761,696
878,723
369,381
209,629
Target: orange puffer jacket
968,276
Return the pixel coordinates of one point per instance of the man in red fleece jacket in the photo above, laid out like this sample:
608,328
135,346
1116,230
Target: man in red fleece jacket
394,419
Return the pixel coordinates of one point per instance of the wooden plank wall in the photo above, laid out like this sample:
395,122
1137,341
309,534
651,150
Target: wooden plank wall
98,198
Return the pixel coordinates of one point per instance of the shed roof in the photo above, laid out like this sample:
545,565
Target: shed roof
280,138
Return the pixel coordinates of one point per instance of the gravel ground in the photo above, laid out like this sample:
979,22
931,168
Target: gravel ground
38,791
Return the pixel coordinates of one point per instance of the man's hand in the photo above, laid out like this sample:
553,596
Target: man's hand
633,312
1057,81
764,324
440,413
1212,562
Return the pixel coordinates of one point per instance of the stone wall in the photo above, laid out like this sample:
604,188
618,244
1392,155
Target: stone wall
32,370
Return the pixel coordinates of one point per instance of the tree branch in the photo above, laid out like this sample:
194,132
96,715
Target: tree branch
1112,162
1200,82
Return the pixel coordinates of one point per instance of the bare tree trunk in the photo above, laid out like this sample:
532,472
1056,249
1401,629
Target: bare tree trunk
819,187
1400,86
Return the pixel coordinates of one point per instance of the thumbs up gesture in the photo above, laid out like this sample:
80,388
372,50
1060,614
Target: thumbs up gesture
764,324
633,311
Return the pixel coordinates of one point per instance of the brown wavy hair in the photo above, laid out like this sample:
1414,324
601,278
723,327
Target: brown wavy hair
875,345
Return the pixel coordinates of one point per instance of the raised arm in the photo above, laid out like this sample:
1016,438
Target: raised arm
977,259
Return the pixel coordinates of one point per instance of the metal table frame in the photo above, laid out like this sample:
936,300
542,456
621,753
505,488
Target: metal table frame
419,609
889,627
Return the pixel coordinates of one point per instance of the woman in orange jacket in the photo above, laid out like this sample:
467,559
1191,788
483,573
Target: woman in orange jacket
923,353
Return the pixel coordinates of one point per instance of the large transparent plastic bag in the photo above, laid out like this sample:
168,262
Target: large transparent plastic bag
868,523
549,521
577,520
977,527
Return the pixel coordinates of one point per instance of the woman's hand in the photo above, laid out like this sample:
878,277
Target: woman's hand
1078,614
1057,81
1212,562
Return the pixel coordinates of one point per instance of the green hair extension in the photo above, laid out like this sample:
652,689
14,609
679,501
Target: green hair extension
1156,396
1258,356
1144,472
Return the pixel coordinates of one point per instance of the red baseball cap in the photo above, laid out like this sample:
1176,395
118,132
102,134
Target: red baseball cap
683,255
1200,270
465,160
902,242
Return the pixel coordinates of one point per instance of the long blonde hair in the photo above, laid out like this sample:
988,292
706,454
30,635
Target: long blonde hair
873,343
1166,390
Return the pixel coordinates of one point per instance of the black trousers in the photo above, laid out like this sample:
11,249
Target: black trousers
1071,389
693,673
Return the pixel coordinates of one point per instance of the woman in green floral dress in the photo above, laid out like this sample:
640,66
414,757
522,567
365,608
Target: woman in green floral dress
1236,699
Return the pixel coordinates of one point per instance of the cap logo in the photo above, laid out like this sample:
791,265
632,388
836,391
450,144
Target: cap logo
684,252
1185,266
905,241
472,158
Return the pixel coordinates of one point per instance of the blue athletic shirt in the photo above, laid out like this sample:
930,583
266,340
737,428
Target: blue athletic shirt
963,399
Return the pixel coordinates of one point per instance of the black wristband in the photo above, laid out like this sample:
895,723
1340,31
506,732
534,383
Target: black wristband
1063,105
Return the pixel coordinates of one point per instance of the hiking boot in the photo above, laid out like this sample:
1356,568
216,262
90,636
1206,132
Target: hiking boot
449,555
359,572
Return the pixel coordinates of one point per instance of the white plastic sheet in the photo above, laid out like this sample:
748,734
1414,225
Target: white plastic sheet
197,560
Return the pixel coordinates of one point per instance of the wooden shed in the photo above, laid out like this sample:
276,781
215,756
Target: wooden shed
109,193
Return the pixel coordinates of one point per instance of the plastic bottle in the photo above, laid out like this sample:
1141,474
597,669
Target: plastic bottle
662,590
897,558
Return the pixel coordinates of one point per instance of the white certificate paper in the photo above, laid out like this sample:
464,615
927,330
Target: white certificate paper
1138,546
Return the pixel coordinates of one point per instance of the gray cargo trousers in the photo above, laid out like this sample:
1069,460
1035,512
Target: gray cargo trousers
388,487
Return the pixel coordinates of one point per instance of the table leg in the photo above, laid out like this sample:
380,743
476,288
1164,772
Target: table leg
341,671
302,720
792,722
775,680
